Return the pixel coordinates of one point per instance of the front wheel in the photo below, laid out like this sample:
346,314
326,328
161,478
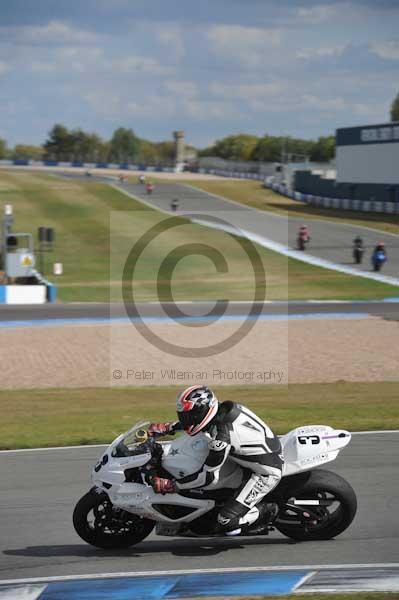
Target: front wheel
100,524
331,512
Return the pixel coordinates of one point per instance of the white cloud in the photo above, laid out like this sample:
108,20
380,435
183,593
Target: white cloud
207,109
38,66
388,50
92,61
314,15
247,45
135,64
172,38
257,97
320,53
253,91
325,104
53,33
185,89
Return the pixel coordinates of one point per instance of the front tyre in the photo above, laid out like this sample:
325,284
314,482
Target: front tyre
100,524
334,513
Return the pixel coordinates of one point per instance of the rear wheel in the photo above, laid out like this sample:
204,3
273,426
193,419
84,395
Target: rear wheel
100,524
331,512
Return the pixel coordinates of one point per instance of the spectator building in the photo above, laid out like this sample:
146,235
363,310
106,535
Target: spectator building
367,166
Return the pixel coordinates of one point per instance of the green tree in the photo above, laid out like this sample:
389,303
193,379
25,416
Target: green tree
59,144
395,109
125,146
3,149
148,152
268,149
235,147
166,151
27,152
323,150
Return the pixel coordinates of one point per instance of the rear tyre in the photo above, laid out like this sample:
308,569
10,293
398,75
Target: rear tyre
100,524
334,515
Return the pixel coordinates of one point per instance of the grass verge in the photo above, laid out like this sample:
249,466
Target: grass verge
252,193
80,213
61,417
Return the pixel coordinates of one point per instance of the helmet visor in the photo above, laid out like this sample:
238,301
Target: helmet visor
191,418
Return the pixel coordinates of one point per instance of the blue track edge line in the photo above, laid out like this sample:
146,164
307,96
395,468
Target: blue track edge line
171,587
166,319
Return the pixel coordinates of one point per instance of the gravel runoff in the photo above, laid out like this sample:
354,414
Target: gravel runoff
273,352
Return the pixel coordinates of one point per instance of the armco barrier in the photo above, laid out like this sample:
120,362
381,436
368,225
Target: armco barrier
391,208
132,167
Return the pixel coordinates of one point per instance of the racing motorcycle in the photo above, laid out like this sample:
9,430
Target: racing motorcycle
121,509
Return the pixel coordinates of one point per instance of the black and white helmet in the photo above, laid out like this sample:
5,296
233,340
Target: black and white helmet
196,407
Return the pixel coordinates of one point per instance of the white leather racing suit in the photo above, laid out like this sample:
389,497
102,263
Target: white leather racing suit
236,432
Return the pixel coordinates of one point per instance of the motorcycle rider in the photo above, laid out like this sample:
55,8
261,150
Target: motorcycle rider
358,249
379,256
174,205
233,432
149,187
303,236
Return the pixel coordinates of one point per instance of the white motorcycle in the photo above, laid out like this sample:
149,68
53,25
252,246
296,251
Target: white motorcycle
122,509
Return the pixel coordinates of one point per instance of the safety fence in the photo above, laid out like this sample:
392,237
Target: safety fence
133,167
337,203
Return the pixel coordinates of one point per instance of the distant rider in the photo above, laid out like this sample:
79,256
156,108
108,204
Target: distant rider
303,233
174,205
379,256
234,432
358,249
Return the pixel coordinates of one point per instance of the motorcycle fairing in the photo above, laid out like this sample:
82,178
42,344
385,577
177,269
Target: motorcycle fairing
307,447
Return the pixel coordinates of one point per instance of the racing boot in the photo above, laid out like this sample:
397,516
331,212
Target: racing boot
267,513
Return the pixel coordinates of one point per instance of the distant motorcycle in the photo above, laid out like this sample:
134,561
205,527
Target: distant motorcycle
378,259
302,241
122,508
358,250
149,188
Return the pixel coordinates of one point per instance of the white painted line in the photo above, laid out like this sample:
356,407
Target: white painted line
302,581
296,254
26,592
56,448
198,572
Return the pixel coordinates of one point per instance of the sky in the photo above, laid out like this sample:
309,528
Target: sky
209,67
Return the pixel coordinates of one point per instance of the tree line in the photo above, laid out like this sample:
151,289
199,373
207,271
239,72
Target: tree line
77,145
125,146
243,147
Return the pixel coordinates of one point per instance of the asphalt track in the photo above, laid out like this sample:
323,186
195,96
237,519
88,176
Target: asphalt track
26,313
39,490
330,240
